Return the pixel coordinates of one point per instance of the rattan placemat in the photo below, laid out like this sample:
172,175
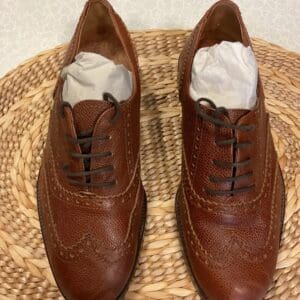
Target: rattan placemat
25,101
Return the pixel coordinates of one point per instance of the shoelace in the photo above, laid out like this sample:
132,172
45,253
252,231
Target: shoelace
85,140
214,119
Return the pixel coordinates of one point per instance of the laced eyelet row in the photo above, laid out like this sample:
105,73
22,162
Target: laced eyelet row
85,140
232,142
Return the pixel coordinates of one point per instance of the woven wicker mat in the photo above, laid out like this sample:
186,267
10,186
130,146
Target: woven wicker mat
25,101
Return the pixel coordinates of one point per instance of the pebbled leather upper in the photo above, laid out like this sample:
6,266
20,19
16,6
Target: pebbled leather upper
230,241
92,235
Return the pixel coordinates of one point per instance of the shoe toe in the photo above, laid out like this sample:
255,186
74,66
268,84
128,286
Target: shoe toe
246,291
234,283
89,279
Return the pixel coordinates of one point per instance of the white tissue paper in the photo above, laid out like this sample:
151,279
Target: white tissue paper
226,73
91,75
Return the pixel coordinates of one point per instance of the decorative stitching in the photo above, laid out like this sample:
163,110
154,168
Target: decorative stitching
196,142
233,243
129,151
87,241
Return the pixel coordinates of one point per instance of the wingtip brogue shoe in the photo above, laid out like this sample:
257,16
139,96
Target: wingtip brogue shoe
230,202
92,204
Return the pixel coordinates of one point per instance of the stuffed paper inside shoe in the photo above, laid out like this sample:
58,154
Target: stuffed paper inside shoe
91,75
227,73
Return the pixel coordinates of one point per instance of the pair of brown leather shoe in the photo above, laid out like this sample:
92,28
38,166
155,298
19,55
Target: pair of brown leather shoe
91,200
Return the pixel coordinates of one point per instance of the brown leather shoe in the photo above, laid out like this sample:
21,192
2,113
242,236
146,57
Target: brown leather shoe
230,202
91,201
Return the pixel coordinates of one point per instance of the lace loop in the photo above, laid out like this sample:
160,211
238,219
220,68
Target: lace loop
214,118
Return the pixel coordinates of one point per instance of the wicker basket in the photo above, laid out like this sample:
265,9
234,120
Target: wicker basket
25,101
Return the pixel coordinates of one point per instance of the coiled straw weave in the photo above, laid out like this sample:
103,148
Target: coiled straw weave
25,101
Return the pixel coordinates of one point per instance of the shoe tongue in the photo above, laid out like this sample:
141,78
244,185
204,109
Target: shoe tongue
235,114
87,112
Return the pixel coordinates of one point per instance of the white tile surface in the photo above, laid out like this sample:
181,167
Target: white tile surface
30,26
